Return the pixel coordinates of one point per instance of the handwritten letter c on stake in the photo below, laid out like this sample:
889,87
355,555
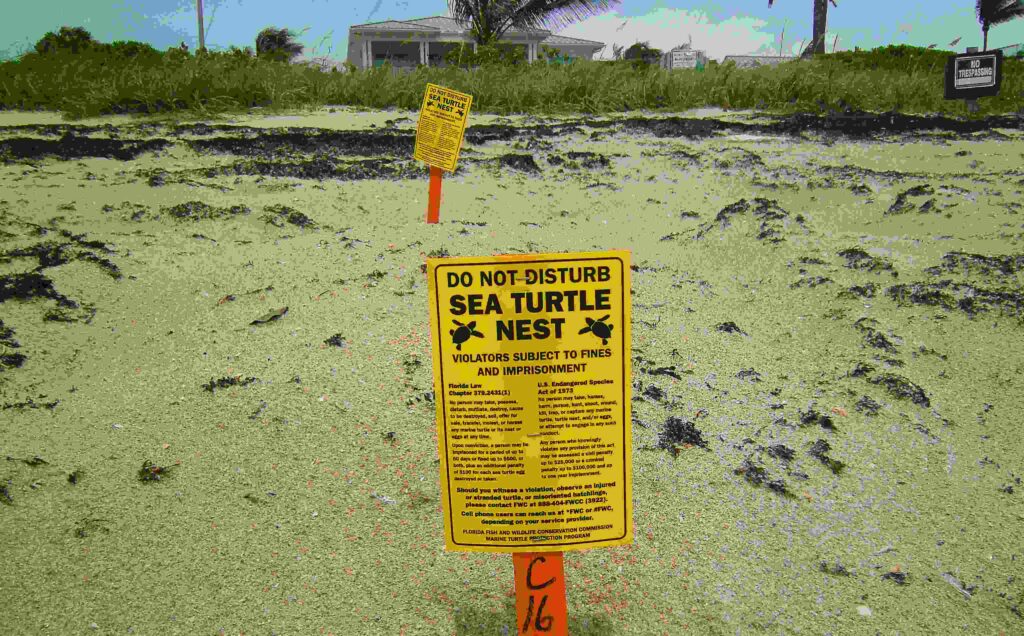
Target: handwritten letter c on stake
439,135
540,593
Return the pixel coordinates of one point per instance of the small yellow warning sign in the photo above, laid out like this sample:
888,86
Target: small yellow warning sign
442,124
533,382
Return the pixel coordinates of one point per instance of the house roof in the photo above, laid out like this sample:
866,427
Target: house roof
393,25
561,39
435,23
440,23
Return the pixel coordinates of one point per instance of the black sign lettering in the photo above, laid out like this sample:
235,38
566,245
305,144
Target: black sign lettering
529,575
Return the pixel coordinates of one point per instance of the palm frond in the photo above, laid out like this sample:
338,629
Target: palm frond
998,11
490,19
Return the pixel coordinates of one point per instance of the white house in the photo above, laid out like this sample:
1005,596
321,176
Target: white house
683,57
407,43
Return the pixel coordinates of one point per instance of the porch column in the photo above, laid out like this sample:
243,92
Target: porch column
474,46
367,54
531,52
423,53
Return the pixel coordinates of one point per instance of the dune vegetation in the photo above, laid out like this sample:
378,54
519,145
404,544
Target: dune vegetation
92,78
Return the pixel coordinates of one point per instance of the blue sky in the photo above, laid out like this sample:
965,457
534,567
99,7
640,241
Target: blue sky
720,28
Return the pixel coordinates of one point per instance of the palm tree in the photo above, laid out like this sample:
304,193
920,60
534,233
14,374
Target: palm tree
991,12
490,19
643,51
278,44
817,43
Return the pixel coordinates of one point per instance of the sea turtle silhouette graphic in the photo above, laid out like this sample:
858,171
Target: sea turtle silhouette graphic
598,328
463,333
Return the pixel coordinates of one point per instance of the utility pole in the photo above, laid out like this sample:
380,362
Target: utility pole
199,17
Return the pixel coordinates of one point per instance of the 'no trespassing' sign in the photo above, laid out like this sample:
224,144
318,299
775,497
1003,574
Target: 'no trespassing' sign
974,75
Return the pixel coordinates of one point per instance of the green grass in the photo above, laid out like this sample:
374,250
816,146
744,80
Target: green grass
903,79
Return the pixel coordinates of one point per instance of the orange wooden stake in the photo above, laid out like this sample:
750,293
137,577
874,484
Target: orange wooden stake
434,199
540,593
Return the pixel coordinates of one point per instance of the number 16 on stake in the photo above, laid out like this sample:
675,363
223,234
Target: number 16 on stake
439,134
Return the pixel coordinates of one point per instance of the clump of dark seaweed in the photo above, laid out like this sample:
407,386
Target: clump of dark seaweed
857,258
197,210
524,163
222,383
902,205
729,327
819,450
859,291
922,294
872,336
654,392
866,405
279,214
812,417
972,300
671,371
861,369
52,254
897,576
757,476
967,264
901,387
767,210
644,365
835,569
679,432
337,340
781,451
152,472
157,178
749,374
589,160
810,281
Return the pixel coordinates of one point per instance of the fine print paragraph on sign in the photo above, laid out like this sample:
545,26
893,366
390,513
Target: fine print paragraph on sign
532,373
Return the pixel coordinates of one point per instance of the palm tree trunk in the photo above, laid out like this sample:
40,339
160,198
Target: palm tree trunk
820,21
199,18
984,32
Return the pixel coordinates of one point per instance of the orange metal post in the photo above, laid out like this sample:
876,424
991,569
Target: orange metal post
434,199
540,593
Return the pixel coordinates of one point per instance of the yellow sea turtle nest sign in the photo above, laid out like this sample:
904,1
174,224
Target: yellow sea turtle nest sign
441,126
532,376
